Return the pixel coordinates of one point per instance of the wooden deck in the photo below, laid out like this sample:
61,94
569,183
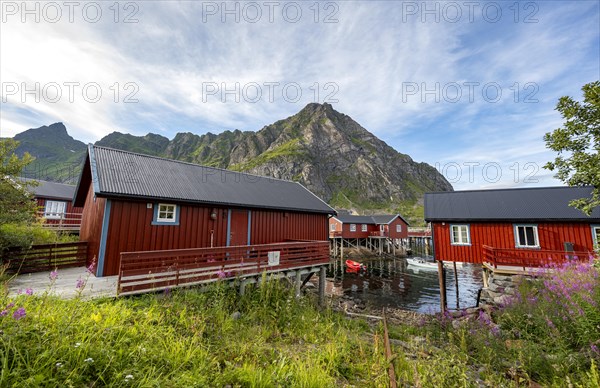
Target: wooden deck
527,260
159,270
65,285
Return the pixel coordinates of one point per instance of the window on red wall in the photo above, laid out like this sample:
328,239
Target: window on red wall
353,227
596,235
459,235
363,227
526,236
333,227
398,228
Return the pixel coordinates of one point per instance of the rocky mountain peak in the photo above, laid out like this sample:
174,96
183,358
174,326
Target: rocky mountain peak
325,150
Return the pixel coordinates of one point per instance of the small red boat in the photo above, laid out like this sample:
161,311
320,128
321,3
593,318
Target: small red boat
354,265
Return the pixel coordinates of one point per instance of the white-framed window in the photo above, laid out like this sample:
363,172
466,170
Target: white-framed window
526,236
363,228
398,228
332,227
166,214
460,234
55,209
353,227
596,235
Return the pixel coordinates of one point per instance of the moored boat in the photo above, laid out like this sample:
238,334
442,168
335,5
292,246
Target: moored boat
355,265
421,263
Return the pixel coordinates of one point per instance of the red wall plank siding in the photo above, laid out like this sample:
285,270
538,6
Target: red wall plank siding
268,227
392,230
346,233
91,224
337,227
130,229
552,236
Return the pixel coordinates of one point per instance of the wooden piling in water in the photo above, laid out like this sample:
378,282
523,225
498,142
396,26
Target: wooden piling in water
442,281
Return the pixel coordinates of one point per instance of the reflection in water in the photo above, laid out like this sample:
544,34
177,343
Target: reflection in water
392,282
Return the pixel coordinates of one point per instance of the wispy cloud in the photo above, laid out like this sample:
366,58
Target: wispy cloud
176,53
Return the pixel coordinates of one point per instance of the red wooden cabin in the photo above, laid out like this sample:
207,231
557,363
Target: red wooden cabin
55,205
350,226
140,203
524,227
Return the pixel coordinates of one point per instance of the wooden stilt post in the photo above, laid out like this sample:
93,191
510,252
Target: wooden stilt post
243,287
486,279
298,283
322,286
442,281
342,249
456,285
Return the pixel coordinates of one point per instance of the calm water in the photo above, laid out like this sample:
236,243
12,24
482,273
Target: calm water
392,282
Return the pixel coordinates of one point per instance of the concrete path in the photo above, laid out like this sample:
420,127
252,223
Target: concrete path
66,284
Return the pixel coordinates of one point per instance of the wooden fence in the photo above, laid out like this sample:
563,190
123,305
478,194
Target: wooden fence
529,258
158,270
40,258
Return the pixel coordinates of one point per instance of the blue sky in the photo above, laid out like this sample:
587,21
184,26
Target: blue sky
469,87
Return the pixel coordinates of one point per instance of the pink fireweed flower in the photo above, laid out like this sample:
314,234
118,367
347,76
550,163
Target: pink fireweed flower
29,291
221,274
19,313
80,283
90,268
54,275
3,313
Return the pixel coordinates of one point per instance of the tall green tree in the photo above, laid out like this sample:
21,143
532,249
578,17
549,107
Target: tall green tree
17,208
578,145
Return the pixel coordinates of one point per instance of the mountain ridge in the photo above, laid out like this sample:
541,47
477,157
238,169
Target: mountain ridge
325,150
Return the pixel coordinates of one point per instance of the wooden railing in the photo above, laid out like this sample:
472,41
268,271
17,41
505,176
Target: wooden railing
159,270
335,233
419,232
67,221
379,233
529,258
40,258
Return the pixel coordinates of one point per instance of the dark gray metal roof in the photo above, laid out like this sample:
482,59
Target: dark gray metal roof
376,219
351,219
387,218
53,190
125,174
523,204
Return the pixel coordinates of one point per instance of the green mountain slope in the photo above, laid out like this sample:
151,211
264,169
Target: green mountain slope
321,148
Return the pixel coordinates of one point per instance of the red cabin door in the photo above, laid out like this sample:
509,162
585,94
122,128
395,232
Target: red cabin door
238,227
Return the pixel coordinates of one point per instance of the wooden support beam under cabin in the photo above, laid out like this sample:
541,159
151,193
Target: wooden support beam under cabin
442,281
298,283
322,286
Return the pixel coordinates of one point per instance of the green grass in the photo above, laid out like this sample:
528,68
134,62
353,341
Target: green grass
192,338
290,148
185,339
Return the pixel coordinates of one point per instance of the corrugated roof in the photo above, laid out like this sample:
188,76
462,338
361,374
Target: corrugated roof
376,219
350,219
387,218
127,174
55,190
539,203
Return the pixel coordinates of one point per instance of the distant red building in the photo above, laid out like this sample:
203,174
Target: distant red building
350,226
532,225
55,205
